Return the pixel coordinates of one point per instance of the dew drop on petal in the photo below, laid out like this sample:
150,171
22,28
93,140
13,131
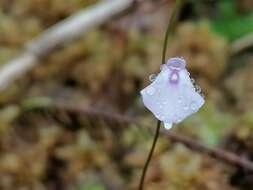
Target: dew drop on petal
178,120
193,106
186,108
180,99
151,91
162,117
197,88
163,67
165,103
152,77
167,125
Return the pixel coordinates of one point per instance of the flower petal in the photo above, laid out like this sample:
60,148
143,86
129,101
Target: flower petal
171,101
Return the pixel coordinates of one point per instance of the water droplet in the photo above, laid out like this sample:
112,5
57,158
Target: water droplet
151,90
180,99
193,81
193,106
162,117
186,108
167,125
152,77
157,115
197,88
165,103
178,120
163,67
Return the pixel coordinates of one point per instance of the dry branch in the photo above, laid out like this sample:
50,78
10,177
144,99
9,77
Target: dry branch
220,154
217,153
242,44
70,28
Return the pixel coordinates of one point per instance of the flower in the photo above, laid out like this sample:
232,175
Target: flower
172,96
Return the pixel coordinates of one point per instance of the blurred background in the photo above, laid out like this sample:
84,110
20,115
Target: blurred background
60,122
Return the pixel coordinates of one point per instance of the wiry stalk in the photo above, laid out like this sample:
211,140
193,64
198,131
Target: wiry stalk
170,29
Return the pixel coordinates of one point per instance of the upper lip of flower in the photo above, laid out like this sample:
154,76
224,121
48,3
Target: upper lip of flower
176,63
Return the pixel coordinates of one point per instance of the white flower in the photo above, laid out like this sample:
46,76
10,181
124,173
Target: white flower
172,97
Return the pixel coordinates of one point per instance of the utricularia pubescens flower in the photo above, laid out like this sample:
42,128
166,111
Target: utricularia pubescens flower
172,96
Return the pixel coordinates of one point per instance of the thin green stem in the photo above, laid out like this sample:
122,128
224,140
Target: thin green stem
169,30
150,155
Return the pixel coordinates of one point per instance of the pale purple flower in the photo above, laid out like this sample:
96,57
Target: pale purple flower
171,96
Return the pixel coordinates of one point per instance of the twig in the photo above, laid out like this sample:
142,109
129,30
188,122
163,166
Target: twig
217,153
68,29
241,44
95,113
220,154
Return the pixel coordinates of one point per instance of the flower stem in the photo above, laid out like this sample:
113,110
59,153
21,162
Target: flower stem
169,30
150,155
